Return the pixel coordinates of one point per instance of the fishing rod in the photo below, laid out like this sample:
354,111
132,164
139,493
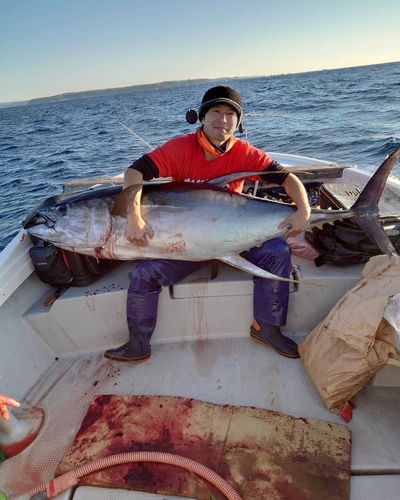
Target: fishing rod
242,131
136,135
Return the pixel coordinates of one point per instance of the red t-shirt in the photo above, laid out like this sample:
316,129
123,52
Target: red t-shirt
183,159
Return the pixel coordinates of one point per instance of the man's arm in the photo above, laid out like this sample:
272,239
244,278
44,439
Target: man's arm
136,227
300,219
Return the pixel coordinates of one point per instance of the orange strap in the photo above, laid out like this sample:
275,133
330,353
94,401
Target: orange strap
204,142
52,298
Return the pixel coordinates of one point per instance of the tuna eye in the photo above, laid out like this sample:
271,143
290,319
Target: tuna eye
62,210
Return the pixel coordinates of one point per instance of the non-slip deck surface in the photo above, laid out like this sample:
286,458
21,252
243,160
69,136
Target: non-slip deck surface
362,488
236,372
260,453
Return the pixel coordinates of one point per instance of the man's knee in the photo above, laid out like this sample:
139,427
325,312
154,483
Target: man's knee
153,274
278,246
146,275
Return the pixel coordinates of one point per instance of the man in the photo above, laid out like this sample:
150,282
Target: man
210,152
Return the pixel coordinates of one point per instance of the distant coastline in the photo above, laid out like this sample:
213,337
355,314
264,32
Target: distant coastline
67,96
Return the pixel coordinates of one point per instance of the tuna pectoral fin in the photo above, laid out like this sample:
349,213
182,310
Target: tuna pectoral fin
235,260
123,203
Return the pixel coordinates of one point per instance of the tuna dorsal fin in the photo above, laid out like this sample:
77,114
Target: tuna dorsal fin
222,180
235,260
123,202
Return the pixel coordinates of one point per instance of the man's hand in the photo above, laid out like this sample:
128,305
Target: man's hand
4,401
299,222
136,229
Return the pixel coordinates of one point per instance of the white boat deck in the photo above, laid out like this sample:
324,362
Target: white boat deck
195,355
54,361
237,371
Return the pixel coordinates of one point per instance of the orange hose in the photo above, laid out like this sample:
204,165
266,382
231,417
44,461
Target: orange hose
61,483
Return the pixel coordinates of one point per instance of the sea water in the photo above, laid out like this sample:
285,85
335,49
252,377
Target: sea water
349,116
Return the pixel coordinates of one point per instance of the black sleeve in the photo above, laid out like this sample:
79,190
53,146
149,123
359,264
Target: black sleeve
276,178
146,166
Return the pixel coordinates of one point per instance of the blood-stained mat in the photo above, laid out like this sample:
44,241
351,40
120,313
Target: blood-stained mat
262,454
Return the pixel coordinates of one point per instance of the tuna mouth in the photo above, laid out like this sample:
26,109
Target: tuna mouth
39,219
46,219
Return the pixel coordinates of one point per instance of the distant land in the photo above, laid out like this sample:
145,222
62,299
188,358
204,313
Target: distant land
67,96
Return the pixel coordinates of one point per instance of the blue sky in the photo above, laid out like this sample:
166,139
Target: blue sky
52,46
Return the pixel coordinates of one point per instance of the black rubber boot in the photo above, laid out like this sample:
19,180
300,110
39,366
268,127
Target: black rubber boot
136,349
271,335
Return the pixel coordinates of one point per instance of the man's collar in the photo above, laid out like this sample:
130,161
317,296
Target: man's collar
208,146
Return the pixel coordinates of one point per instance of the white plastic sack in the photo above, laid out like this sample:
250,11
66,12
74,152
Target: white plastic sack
392,316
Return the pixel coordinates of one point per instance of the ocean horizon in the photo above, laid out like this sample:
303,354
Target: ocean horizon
82,94
350,116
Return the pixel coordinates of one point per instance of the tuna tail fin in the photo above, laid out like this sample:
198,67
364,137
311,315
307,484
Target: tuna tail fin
375,232
365,209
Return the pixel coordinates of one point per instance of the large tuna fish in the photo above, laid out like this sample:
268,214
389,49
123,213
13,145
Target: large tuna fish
195,222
